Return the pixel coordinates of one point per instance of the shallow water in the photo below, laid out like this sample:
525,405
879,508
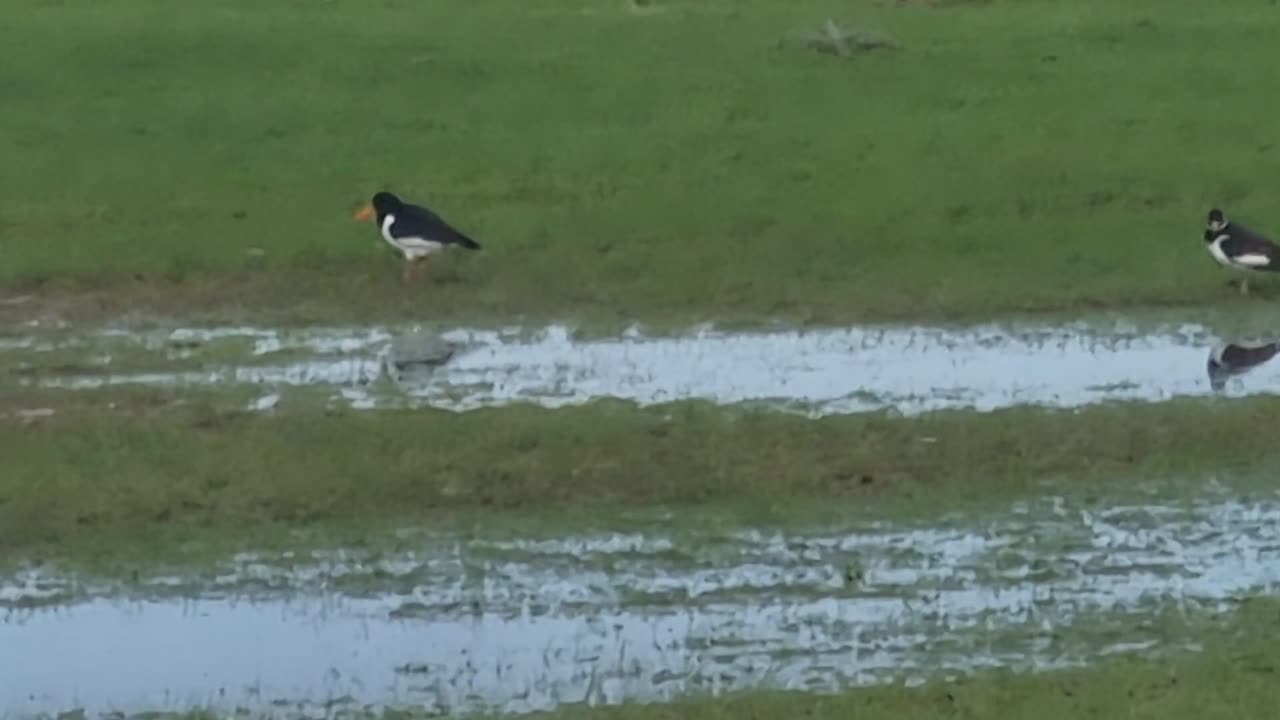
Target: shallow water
471,623
834,371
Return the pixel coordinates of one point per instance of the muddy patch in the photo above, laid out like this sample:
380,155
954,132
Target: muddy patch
905,369
509,625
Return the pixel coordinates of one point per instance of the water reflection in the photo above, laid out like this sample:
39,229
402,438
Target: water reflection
1232,359
903,369
507,625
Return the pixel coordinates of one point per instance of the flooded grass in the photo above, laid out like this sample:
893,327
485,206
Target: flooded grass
1232,675
904,369
670,165
672,540
482,622
440,561
71,480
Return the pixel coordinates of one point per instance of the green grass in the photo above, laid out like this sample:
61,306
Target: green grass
155,469
670,164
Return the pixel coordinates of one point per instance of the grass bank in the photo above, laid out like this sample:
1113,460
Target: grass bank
677,162
150,469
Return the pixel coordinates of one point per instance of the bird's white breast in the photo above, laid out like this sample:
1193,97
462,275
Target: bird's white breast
1215,249
387,222
411,246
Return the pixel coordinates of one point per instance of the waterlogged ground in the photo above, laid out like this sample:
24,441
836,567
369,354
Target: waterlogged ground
662,606
843,370
454,623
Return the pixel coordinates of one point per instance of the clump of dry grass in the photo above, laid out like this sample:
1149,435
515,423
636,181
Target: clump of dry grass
943,3
833,39
644,7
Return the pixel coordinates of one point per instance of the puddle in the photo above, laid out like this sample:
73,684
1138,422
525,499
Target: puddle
504,625
909,370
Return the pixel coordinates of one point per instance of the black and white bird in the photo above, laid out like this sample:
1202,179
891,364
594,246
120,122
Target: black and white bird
1231,359
1239,248
413,230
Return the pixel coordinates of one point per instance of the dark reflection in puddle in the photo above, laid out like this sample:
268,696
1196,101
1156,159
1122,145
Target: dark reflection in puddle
1233,359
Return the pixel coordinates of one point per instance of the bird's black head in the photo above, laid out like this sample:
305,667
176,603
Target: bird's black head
385,202
1217,220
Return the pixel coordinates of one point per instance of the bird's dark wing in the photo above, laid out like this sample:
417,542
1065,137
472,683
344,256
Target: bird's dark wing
1250,238
423,223
1252,249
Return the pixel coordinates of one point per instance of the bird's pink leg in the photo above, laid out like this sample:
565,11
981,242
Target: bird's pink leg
414,264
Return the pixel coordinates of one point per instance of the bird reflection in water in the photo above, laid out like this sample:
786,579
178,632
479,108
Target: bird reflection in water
1228,360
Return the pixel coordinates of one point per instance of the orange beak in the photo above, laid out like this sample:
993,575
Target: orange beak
365,213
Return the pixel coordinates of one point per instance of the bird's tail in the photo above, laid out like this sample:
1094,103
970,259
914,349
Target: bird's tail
467,242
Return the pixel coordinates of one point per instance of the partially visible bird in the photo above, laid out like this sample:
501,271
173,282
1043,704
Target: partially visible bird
1239,248
1231,359
413,230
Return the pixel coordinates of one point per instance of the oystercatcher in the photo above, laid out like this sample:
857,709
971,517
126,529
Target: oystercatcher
1240,248
413,230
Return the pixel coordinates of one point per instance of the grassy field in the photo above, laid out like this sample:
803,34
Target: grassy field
677,161
669,161
96,480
